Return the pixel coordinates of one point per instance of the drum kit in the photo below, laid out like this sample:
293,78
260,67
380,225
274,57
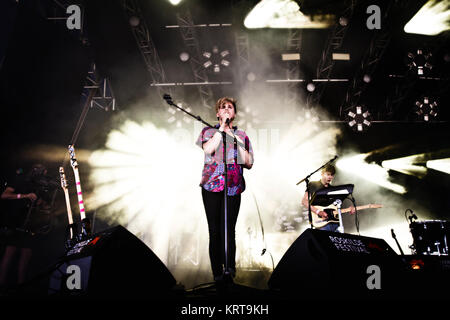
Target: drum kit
430,237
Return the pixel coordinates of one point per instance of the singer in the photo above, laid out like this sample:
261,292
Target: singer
239,155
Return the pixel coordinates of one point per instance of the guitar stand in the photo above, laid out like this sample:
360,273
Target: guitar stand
338,204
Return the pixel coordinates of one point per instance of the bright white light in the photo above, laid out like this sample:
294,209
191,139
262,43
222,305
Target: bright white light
432,19
442,165
341,56
310,87
175,2
367,78
184,56
406,165
146,178
358,110
371,172
283,14
290,56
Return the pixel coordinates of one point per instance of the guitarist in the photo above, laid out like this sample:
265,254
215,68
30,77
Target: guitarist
19,197
327,176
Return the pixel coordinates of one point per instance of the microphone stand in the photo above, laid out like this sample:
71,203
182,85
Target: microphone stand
227,272
306,179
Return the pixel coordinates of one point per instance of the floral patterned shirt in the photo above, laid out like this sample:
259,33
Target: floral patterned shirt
213,170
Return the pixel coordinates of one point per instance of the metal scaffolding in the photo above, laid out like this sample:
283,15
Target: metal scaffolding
326,62
294,42
145,44
368,65
243,56
189,36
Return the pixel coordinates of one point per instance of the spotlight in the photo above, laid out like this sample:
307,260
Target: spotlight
134,21
251,77
184,56
419,61
310,87
175,2
358,118
343,21
216,58
248,118
427,108
442,165
177,117
431,19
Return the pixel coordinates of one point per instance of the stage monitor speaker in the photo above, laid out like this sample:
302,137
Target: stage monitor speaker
321,262
112,263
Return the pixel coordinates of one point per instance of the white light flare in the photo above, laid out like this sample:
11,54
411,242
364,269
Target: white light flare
432,19
442,165
407,165
374,173
283,14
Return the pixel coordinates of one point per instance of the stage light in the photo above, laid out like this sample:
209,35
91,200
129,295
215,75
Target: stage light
216,59
284,14
310,87
356,165
343,21
134,21
432,19
177,116
358,118
442,165
340,56
407,165
419,61
367,78
251,77
290,56
426,109
248,118
184,56
175,2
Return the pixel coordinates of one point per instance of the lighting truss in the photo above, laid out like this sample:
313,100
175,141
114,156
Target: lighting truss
191,43
326,62
145,43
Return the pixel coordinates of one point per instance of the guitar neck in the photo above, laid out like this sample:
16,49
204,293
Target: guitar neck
79,193
69,209
368,206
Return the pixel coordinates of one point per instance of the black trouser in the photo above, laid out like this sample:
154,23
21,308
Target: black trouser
214,208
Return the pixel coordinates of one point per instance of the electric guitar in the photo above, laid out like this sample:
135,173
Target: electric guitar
85,223
332,212
71,228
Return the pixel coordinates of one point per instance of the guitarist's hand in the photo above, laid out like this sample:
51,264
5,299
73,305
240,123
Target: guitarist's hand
322,214
32,196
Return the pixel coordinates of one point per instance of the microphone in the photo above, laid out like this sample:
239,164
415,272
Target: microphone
227,121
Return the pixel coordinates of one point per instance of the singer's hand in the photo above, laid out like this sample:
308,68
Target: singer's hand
223,120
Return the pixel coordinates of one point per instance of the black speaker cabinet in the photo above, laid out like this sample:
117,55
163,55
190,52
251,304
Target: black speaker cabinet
323,262
112,263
